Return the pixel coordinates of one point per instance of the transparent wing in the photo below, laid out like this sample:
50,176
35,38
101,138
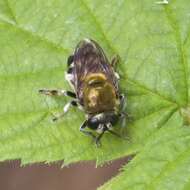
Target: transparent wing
90,58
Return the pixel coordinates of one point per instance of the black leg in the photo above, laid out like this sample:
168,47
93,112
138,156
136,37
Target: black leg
109,129
97,141
70,70
70,94
55,92
118,135
122,101
114,133
70,60
122,114
88,133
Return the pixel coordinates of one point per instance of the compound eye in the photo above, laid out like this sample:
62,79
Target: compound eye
93,123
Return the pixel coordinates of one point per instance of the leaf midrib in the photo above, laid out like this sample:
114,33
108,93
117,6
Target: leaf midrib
180,47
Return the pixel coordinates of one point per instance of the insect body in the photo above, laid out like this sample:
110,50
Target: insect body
96,91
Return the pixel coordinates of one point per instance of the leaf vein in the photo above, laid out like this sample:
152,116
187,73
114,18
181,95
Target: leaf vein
182,54
36,36
171,165
98,25
12,14
151,91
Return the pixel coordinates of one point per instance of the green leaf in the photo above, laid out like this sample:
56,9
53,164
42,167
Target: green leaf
152,39
162,164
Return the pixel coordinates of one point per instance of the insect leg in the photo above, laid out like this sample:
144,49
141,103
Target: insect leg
65,109
109,126
57,93
88,133
114,133
109,129
97,140
70,60
118,135
114,61
70,64
122,101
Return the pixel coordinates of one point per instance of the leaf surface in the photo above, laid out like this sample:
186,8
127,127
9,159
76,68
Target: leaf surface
152,39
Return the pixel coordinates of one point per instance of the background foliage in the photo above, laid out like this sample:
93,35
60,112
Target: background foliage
152,39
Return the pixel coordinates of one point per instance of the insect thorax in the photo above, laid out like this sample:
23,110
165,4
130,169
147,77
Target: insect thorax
99,94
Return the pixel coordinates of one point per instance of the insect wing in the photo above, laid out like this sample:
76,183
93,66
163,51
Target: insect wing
90,58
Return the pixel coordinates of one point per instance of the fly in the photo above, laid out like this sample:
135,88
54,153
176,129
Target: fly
95,89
